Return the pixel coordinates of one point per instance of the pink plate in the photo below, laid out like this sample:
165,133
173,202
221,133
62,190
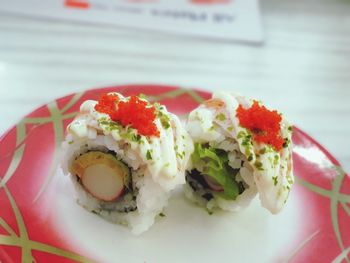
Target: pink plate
40,221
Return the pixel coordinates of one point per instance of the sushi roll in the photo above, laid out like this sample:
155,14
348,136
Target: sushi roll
124,156
241,149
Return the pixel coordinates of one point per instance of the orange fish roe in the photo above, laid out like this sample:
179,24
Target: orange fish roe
107,103
134,112
263,123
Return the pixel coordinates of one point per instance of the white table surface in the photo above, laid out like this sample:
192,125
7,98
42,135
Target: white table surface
303,69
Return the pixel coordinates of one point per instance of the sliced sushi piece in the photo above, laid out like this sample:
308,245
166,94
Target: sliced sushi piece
241,149
125,156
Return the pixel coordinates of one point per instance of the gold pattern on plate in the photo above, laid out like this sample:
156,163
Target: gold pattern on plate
22,240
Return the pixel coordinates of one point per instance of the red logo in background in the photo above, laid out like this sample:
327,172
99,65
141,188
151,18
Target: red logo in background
82,4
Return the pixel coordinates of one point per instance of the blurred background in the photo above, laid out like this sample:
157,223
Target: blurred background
302,66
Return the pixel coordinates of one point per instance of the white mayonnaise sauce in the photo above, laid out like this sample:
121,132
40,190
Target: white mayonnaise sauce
166,156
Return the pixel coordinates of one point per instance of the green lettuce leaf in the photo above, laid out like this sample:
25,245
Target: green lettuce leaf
215,163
